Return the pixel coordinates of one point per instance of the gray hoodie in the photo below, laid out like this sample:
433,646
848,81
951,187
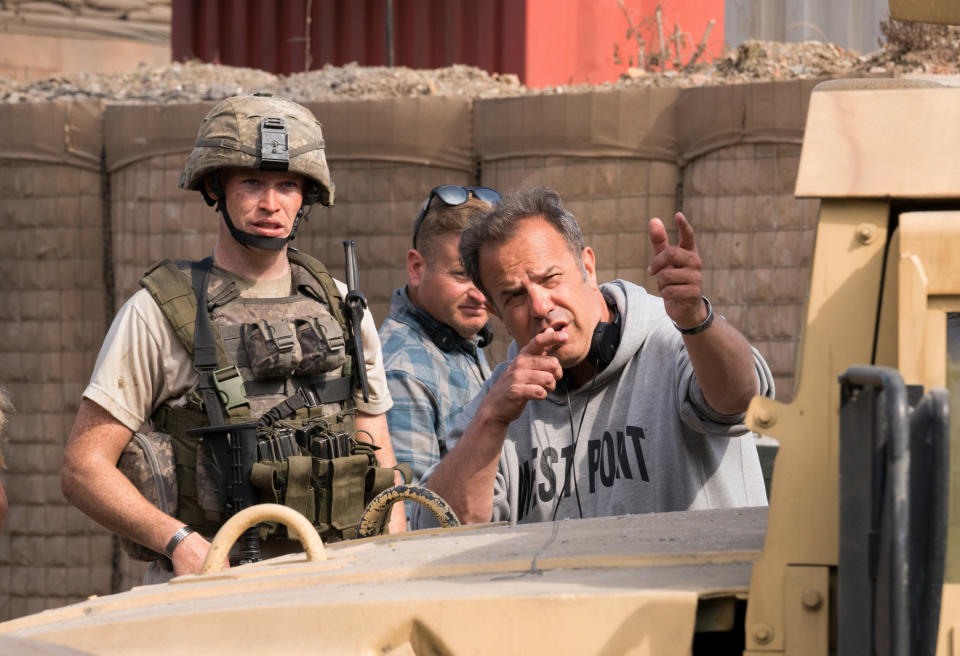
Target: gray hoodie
638,438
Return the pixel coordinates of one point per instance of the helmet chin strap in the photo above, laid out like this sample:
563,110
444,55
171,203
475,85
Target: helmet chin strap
258,241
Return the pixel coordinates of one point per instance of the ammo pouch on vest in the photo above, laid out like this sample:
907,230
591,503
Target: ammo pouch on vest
323,344
327,476
148,461
302,347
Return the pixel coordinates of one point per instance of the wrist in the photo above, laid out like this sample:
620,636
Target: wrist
488,416
176,539
703,325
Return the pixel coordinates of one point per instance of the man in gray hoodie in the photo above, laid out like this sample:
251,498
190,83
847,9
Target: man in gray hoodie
613,401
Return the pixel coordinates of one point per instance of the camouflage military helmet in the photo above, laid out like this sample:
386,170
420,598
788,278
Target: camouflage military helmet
261,132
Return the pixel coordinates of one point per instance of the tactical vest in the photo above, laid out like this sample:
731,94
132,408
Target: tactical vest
285,361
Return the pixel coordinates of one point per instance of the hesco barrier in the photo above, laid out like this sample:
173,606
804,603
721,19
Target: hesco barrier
53,316
727,156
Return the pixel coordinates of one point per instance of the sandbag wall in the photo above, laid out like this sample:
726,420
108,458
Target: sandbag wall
53,315
726,156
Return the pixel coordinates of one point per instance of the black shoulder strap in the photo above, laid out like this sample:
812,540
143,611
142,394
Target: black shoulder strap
205,346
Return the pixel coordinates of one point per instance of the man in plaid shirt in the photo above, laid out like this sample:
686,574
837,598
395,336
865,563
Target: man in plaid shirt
437,326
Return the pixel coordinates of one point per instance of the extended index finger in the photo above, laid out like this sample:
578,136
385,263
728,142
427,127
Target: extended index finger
543,343
684,232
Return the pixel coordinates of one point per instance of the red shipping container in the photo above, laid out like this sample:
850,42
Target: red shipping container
543,42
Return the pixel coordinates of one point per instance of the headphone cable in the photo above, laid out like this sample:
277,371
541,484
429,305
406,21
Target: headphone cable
575,434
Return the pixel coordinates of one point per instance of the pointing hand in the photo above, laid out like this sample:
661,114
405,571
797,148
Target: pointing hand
677,270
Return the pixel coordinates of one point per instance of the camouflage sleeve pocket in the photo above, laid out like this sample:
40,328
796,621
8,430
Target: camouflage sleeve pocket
272,348
147,460
323,345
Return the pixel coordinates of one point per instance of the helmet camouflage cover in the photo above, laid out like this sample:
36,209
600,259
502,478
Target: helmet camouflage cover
261,132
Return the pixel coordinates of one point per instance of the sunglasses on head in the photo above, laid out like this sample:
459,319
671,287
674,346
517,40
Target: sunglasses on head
453,195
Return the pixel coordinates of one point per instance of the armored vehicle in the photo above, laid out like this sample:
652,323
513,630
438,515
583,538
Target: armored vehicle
858,553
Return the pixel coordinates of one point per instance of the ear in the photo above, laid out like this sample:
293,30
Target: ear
416,267
209,187
590,265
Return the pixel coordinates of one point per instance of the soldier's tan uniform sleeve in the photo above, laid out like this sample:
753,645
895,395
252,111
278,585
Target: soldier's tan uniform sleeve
380,400
141,364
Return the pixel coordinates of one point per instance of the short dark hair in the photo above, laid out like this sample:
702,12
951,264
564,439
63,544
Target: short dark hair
500,224
442,219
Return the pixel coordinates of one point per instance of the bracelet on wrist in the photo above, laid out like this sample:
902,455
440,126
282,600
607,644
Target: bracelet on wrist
177,538
696,330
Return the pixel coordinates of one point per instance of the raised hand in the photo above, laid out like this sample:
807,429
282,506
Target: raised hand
677,270
531,375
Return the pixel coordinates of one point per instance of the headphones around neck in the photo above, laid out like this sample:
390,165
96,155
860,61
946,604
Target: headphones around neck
447,339
605,340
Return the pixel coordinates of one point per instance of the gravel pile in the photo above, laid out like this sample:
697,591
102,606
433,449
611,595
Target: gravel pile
195,82
905,53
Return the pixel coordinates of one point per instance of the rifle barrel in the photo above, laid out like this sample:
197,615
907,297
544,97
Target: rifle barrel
350,260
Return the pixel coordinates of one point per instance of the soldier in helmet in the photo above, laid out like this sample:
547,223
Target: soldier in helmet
283,358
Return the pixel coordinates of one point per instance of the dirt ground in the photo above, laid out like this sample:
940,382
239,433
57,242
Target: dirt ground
908,49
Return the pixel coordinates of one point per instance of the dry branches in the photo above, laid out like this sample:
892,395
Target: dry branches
661,57
663,46
702,46
634,32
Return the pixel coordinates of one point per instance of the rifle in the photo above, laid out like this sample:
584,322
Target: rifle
233,446
355,303
234,451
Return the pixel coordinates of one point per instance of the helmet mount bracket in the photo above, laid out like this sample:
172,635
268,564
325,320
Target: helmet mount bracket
274,144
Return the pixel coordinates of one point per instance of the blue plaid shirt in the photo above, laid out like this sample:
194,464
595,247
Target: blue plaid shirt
428,386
